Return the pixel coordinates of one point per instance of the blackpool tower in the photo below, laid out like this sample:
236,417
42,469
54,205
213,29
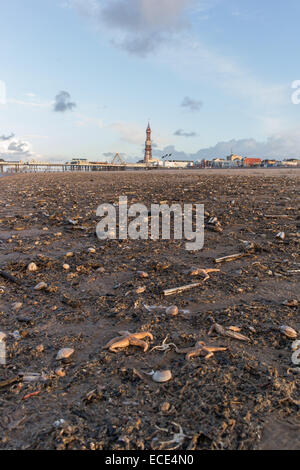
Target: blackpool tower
148,146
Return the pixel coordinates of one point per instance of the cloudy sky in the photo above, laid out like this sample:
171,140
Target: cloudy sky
81,78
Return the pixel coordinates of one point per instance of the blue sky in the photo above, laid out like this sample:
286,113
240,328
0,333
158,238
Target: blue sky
211,75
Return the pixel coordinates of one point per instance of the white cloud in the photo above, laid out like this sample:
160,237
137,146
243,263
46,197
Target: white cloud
17,149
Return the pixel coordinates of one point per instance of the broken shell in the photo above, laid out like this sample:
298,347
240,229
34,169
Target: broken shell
143,274
172,311
40,348
66,267
162,376
281,235
64,353
16,306
296,345
60,372
32,267
288,331
140,290
92,250
40,286
69,254
296,357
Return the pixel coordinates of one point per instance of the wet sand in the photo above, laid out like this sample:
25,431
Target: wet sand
246,397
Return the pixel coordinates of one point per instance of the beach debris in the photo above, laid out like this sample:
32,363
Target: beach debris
60,372
66,267
172,311
290,303
214,225
231,332
40,348
91,250
296,345
16,335
69,254
142,274
64,353
200,349
73,222
32,267
281,235
173,444
41,286
33,394
230,257
179,290
296,357
12,381
204,272
165,406
288,331
16,306
140,290
9,277
162,376
164,346
129,339
2,336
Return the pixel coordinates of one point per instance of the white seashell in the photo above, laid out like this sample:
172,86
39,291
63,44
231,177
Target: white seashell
289,332
2,336
64,353
40,286
162,376
281,235
32,267
296,345
92,250
296,357
172,311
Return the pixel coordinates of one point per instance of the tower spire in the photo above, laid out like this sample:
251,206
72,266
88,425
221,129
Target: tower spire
148,145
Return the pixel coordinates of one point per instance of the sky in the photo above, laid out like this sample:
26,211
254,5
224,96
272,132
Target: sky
82,78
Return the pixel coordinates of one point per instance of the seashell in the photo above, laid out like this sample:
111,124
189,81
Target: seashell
60,372
172,311
296,357
162,376
69,254
40,348
32,267
40,286
296,345
281,235
66,267
64,353
2,336
143,274
16,306
92,250
140,290
289,332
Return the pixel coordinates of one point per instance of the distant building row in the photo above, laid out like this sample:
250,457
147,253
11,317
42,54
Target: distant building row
236,161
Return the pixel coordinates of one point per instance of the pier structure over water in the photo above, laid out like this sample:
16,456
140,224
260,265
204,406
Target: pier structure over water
18,167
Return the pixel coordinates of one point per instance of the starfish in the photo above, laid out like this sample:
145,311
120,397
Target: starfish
231,332
205,272
200,349
126,339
